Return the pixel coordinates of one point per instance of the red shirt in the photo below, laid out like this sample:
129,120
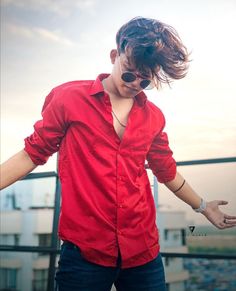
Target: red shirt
106,195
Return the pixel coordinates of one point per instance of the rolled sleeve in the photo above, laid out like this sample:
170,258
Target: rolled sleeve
160,159
48,132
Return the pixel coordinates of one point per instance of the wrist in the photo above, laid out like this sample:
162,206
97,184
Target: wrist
202,207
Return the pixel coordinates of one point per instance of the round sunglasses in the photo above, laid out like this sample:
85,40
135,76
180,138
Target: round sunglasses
130,77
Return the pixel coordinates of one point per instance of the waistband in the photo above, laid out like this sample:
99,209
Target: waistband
75,247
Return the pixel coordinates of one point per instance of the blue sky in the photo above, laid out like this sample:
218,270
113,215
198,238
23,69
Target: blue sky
48,42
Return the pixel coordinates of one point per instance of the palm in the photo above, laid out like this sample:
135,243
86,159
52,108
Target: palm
217,217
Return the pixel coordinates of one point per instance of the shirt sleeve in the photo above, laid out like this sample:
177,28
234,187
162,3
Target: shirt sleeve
160,159
49,131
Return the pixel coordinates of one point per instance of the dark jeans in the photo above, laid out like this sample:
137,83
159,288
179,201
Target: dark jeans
77,274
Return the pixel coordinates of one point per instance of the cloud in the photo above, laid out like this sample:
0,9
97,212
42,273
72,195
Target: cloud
60,7
51,36
38,33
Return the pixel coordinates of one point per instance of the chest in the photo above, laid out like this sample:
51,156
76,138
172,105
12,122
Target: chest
120,121
120,115
97,128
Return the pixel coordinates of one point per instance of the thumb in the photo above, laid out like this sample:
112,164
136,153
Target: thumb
222,202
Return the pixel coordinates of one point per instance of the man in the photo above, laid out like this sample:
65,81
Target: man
104,131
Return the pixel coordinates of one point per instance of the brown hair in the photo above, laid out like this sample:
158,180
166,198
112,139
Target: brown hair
152,45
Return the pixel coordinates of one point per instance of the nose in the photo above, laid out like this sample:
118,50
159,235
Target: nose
136,83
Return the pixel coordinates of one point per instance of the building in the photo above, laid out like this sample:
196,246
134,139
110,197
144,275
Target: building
26,220
172,232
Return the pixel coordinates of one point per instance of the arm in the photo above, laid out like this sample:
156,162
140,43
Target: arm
42,143
15,168
189,196
186,193
163,166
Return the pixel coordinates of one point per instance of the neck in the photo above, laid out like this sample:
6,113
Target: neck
114,94
110,87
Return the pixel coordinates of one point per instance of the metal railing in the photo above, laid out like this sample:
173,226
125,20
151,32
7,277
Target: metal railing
53,249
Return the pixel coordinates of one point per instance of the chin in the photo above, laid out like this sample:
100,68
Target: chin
129,92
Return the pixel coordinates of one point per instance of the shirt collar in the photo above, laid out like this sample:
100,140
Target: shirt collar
141,98
97,86
98,90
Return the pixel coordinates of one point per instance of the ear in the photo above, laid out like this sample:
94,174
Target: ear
113,55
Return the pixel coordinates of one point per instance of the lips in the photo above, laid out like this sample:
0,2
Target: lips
134,90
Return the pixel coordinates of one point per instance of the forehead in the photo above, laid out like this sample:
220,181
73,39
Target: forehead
125,60
127,64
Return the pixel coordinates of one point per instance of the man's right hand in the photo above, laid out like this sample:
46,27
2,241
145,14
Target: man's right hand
15,168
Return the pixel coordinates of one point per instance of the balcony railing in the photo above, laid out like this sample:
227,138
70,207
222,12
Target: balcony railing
53,250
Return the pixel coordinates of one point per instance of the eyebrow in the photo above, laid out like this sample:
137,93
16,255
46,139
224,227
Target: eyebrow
142,75
127,66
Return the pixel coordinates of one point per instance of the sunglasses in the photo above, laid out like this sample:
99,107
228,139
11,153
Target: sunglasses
130,77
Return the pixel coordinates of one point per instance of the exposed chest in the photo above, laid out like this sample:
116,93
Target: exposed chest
120,116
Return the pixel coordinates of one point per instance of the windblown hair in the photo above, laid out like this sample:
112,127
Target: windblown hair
152,45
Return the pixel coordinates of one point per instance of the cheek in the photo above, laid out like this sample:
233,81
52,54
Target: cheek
115,73
117,78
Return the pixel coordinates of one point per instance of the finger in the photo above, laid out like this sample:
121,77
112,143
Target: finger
229,216
222,202
228,221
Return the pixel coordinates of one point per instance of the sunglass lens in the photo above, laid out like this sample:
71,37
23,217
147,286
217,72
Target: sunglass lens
128,77
145,83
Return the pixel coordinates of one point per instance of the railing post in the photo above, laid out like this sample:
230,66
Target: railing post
54,239
155,191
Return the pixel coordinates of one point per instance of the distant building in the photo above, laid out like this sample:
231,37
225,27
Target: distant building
26,220
172,225
172,238
25,271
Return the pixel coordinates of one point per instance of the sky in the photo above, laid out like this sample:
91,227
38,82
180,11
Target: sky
45,43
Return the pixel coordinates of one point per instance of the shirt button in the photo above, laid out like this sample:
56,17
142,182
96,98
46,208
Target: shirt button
119,232
120,205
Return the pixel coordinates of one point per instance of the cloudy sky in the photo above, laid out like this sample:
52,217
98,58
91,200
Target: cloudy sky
48,42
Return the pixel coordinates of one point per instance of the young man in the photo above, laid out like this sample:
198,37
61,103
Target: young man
104,131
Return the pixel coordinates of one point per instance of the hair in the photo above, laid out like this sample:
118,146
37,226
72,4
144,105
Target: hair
152,45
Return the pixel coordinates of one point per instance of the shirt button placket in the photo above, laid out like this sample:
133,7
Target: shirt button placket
119,191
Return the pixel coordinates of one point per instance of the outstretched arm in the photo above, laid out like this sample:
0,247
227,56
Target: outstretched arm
15,168
211,209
